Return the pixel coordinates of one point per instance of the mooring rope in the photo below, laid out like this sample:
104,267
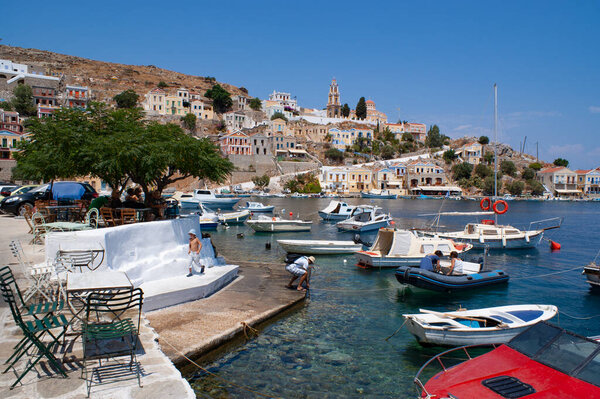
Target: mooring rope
215,375
547,274
400,328
579,317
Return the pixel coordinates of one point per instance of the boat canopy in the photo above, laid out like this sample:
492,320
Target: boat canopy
396,242
333,207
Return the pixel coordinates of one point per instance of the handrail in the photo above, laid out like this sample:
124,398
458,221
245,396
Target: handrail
537,222
421,387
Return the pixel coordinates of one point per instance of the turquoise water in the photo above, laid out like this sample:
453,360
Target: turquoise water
334,346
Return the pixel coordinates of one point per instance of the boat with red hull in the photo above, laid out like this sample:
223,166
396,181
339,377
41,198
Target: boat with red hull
544,361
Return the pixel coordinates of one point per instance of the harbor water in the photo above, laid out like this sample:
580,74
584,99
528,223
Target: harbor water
334,346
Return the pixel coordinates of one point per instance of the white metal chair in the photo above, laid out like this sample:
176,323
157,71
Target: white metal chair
38,276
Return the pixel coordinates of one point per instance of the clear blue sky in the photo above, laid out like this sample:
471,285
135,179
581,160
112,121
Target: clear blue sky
424,61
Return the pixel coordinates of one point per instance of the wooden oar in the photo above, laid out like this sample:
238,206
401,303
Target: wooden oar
452,316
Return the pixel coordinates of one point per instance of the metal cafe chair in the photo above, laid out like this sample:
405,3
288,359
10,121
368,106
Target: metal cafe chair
38,277
33,330
106,334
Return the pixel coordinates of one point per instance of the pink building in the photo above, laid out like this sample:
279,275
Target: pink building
417,130
236,143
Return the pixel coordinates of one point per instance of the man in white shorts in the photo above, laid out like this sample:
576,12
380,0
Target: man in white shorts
300,269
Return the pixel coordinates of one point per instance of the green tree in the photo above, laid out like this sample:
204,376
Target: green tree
162,84
221,98
189,122
261,181
255,104
561,162
434,138
126,99
535,166
278,115
387,152
345,110
488,158
535,187
361,109
483,171
488,185
6,105
515,188
462,171
508,168
407,137
484,140
23,100
528,173
449,156
334,155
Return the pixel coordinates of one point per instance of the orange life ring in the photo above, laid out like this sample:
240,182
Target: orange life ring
487,201
500,202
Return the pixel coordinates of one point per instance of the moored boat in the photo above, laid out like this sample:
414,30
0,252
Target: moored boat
365,218
394,248
336,210
257,207
276,224
495,325
319,247
208,199
444,283
592,273
380,194
544,361
237,217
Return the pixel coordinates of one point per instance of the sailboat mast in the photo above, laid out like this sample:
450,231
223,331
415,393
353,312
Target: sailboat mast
495,140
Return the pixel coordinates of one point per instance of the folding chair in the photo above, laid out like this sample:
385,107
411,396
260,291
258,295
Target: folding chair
38,277
128,216
108,217
33,330
111,335
80,258
39,227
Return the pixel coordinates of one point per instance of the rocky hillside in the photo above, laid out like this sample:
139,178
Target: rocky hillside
107,79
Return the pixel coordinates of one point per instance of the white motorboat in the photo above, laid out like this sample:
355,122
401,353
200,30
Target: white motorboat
276,224
395,248
237,217
208,198
209,220
592,273
365,218
485,326
380,194
255,207
319,247
299,195
336,210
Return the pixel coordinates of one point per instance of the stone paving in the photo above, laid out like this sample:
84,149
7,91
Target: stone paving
160,377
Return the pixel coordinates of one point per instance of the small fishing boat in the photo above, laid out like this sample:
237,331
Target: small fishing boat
319,247
380,194
365,218
496,325
276,224
237,217
394,248
440,282
299,195
336,210
544,361
592,273
257,207
208,198
208,219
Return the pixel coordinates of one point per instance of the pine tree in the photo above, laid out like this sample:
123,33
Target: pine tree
345,110
361,109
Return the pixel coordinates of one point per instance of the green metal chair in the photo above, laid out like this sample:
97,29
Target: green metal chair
34,329
111,335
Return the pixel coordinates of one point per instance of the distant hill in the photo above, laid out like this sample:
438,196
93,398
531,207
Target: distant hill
106,79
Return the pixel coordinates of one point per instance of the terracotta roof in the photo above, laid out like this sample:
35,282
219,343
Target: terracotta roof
581,171
552,170
370,102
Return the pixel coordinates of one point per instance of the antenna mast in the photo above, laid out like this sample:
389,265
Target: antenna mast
496,140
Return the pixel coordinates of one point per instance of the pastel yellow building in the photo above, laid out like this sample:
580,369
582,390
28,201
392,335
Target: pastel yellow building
335,180
359,179
202,109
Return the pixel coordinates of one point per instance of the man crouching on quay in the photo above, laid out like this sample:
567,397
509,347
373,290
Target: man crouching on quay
194,249
300,268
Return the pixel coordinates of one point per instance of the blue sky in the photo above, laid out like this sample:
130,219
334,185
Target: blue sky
423,61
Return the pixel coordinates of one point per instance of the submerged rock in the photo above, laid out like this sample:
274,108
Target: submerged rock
337,357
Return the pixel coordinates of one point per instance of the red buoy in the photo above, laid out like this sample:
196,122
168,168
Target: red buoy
554,245
291,213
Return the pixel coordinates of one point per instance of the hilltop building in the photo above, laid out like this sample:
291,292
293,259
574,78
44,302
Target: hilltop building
285,100
417,130
334,108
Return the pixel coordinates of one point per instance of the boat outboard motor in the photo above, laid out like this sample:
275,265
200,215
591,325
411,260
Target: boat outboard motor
358,240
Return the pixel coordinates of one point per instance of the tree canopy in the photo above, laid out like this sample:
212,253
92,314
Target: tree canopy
189,122
449,156
516,187
561,162
162,84
528,173
434,138
261,181
279,115
508,168
345,110
23,100
116,145
462,171
535,166
126,99
484,140
334,155
255,104
222,101
361,109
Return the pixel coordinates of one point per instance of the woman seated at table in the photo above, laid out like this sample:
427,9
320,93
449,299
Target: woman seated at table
158,204
132,200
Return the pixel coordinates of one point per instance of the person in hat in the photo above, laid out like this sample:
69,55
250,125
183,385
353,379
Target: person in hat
195,246
300,268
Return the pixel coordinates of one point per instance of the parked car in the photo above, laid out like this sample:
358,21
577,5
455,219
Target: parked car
17,190
6,189
61,191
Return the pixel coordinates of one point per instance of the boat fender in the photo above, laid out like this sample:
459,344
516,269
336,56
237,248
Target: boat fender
485,203
503,210
504,241
481,240
527,238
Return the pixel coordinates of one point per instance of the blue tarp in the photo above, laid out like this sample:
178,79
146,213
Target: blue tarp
67,191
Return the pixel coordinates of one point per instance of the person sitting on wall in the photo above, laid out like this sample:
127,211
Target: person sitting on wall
115,199
456,265
194,248
431,262
300,268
